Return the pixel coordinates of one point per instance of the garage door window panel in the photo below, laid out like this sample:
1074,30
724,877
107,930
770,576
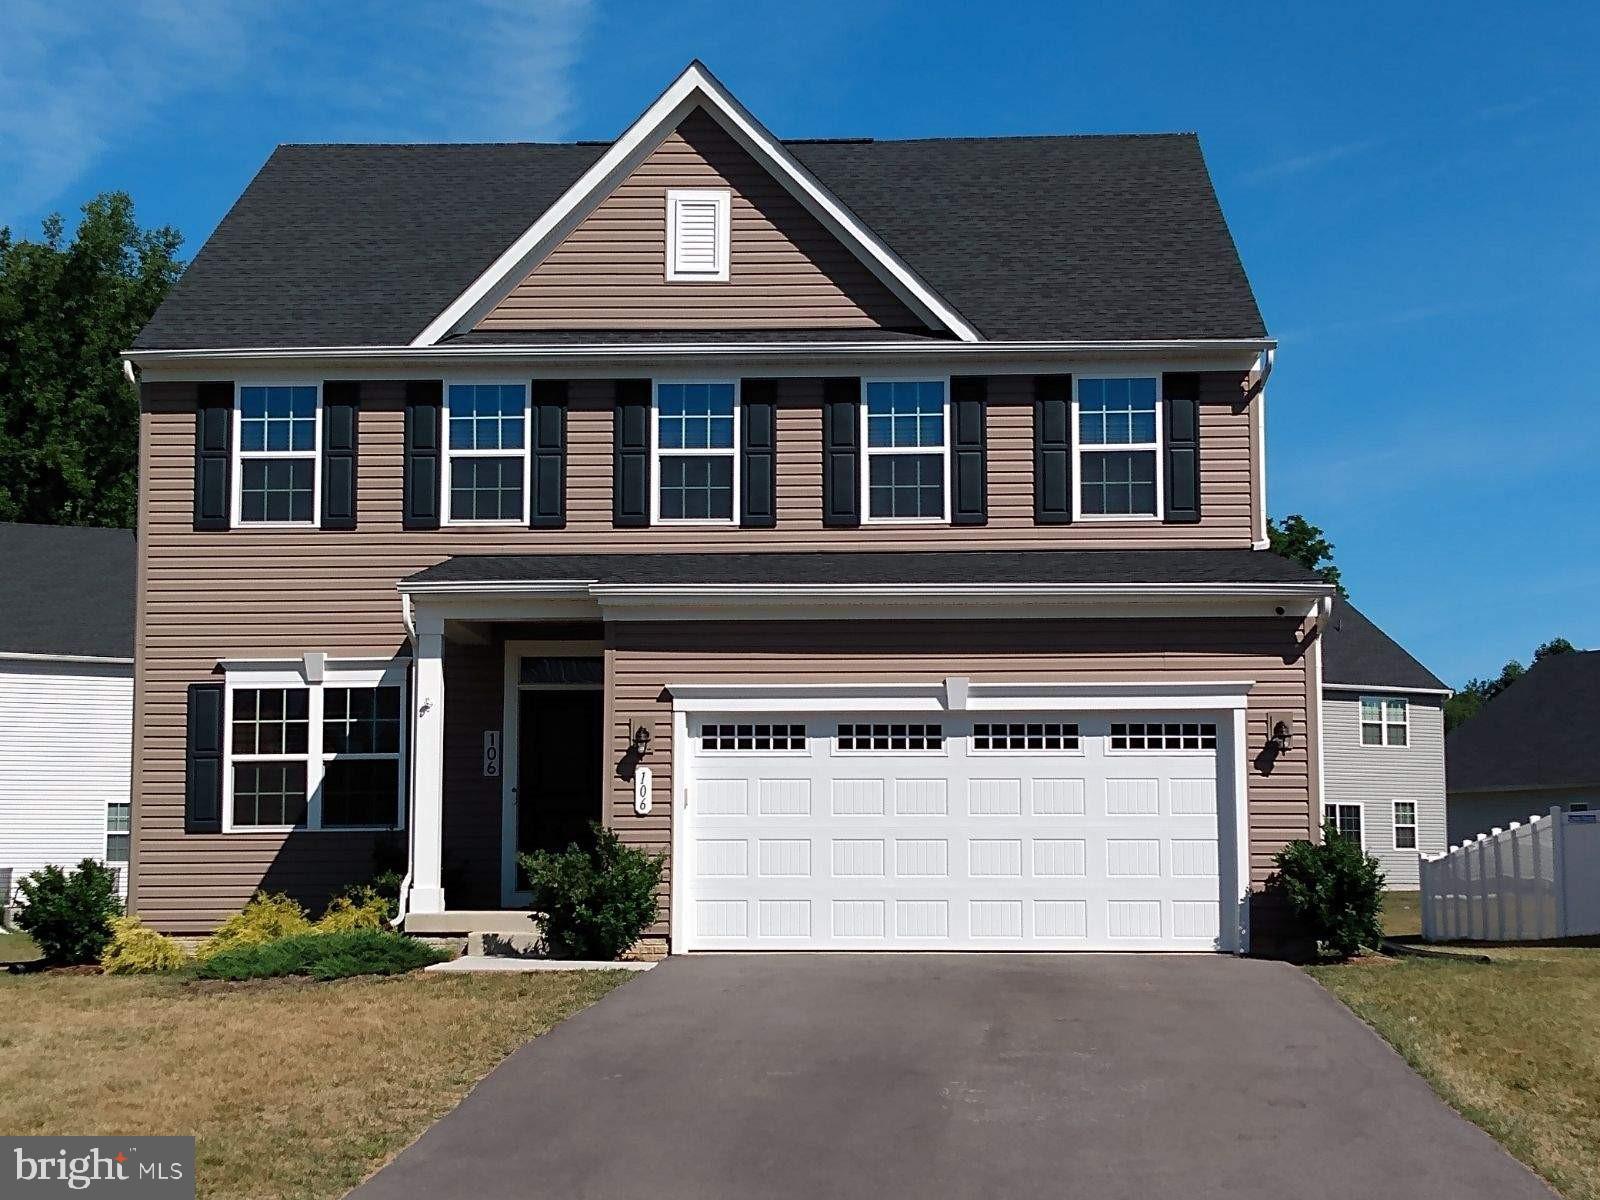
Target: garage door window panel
1167,737
1025,737
894,737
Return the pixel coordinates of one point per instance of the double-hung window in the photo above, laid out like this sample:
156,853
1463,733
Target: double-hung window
907,450
278,443
324,755
119,831
1405,825
1384,721
1345,819
696,437
1119,448
488,456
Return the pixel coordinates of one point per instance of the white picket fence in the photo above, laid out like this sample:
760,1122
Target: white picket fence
1525,883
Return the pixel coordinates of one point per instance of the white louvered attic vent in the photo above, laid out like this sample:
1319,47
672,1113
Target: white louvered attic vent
697,234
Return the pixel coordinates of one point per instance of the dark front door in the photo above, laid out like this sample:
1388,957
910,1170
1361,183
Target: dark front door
559,769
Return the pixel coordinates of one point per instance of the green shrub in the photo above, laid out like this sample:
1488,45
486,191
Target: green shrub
358,908
264,919
1334,892
597,900
136,949
69,916
322,956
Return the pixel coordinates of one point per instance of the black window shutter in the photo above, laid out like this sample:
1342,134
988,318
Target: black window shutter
341,401
423,454
758,453
548,440
1052,449
202,774
630,459
969,401
1181,394
213,443
841,452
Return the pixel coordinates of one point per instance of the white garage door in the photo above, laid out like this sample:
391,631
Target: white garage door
952,831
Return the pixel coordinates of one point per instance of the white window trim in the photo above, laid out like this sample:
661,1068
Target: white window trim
1396,825
1384,723
240,454
392,674
525,454
722,198
657,454
1080,447
869,451
1361,818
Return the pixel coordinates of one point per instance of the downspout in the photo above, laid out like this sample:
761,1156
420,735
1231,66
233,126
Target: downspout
1262,373
404,900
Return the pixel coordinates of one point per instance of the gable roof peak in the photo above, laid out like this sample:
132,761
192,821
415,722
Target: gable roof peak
695,87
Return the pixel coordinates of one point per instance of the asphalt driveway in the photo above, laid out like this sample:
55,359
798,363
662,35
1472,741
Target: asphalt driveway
929,1076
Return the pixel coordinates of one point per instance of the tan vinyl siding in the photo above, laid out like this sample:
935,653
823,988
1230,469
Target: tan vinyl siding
785,269
277,593
1376,776
643,659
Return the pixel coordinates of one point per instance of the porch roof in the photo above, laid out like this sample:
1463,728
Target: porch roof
874,567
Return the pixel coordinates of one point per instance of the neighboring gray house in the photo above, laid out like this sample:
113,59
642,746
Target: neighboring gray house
1383,745
1532,747
66,698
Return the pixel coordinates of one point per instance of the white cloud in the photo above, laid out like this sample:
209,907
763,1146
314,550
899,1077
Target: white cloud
72,84
1298,164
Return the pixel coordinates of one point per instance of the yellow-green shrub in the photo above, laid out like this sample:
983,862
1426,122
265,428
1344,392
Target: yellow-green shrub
360,908
265,919
136,949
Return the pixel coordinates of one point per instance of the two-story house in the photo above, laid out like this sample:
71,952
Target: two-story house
876,529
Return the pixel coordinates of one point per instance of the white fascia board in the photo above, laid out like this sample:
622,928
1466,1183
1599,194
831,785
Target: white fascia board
362,361
1384,689
695,87
1191,696
86,659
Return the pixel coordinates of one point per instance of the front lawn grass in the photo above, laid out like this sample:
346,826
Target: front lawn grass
17,947
293,1088
1512,1044
1402,914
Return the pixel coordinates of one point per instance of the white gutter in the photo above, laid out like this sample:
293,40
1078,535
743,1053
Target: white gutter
736,350
579,589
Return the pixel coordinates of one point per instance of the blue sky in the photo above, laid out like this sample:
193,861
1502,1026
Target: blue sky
1413,189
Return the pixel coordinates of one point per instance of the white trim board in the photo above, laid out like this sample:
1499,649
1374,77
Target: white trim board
695,88
599,359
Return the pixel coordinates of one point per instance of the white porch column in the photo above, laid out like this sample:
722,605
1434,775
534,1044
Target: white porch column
427,756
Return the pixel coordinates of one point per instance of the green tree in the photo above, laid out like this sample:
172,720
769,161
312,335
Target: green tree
69,419
1298,539
1471,696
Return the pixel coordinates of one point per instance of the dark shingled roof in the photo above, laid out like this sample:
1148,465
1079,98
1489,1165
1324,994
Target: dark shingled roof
1354,650
1029,238
879,566
66,590
1539,732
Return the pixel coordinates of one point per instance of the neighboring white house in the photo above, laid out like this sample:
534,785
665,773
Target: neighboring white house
66,698
1383,745
1534,746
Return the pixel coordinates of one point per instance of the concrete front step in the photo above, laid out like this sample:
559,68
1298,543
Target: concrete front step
469,921
488,944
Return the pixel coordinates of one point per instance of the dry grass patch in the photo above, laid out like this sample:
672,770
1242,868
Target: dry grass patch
294,1089
1512,1044
1402,914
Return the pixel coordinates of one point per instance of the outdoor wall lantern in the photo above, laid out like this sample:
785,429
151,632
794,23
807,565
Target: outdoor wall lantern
639,740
